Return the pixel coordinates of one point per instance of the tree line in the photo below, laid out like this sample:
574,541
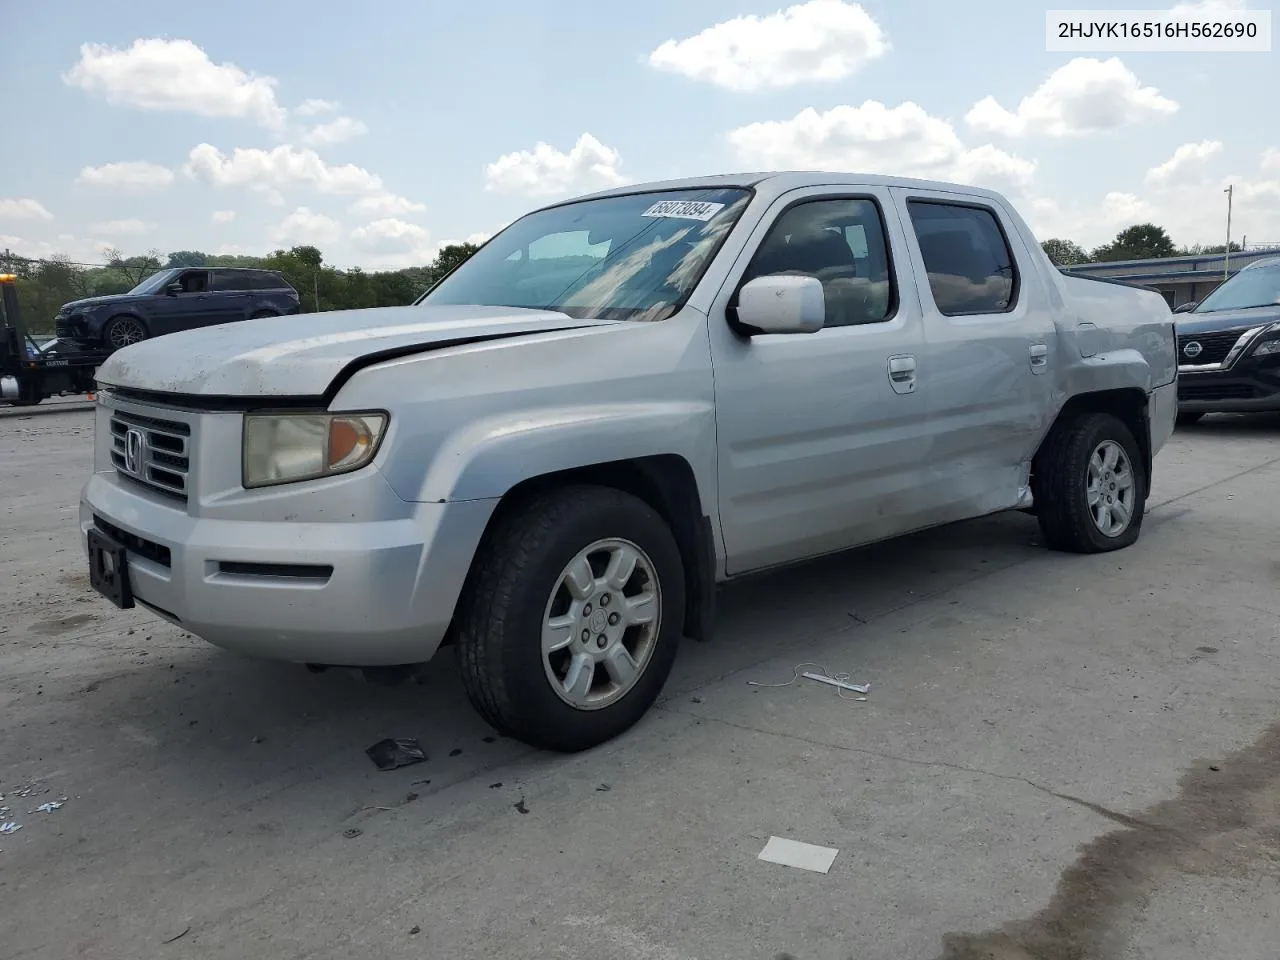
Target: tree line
45,285
1142,241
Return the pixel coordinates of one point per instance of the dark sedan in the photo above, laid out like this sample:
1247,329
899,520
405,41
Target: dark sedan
1229,346
173,300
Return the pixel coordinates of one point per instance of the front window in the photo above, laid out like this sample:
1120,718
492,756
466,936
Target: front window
154,283
632,257
1257,286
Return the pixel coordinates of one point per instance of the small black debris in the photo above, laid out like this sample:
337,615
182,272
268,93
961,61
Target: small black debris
1215,769
520,807
177,936
352,832
603,788
695,699
410,798
415,930
455,751
1207,649
391,754
416,782
257,739
490,739
495,786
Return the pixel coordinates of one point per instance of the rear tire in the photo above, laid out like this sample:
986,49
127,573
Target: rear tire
1187,419
567,662
1090,487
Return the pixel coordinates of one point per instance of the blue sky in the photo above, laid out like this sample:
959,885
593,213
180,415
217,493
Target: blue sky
380,132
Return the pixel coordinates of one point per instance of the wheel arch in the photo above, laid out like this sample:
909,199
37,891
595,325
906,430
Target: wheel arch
1130,405
666,483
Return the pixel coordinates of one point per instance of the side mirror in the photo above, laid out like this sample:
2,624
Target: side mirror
1185,307
782,304
173,289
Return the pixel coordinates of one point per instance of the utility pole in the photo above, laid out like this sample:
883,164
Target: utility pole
1226,251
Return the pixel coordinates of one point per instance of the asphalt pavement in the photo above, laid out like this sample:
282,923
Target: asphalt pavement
1060,757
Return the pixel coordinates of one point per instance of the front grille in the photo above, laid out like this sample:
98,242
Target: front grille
151,452
1215,391
1214,347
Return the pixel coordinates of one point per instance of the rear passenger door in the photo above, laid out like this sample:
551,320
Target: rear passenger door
820,436
988,347
232,295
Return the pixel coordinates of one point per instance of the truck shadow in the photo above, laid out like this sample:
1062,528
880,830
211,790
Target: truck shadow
1235,424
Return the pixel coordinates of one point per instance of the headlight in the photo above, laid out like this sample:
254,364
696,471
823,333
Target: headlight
287,447
1266,348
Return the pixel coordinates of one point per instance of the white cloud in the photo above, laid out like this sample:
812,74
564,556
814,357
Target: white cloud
390,230
822,40
391,243
1083,96
131,176
315,108
1193,209
1271,159
1210,6
23,208
278,169
159,74
545,171
121,228
85,251
338,130
306,226
1187,161
223,216
875,139
385,205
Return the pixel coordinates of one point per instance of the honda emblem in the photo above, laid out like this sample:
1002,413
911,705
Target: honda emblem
133,447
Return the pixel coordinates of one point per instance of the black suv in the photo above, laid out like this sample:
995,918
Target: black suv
176,299
1229,346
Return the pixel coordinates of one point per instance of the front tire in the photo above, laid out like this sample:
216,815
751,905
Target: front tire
1091,486
571,617
123,331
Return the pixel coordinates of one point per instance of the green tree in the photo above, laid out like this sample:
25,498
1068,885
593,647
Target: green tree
1065,253
450,256
1143,241
188,258
1206,250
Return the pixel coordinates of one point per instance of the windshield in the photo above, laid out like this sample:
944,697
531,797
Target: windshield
635,257
1257,286
154,282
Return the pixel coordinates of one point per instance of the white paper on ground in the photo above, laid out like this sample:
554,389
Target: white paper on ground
793,853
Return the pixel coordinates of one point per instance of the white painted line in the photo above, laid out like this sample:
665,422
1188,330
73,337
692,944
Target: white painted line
803,856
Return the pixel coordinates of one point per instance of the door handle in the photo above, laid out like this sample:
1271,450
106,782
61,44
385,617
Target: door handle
1039,356
902,374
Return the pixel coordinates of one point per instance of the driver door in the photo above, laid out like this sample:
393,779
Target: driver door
822,437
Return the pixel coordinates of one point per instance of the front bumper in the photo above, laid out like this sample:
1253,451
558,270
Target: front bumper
1250,384
369,593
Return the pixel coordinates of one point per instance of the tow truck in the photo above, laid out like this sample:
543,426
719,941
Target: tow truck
31,372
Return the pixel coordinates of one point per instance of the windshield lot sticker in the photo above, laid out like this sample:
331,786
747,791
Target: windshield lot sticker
684,209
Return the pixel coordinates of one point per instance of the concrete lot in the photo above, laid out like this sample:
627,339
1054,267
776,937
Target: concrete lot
1061,757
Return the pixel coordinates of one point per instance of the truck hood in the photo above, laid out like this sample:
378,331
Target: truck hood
88,303
302,354
1189,324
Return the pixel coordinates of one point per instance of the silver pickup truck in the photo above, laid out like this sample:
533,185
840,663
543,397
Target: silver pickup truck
554,456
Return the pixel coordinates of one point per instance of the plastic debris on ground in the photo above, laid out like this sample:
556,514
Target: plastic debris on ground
51,806
391,754
841,681
802,856
10,827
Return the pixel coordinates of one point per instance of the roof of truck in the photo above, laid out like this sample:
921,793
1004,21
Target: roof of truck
780,181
